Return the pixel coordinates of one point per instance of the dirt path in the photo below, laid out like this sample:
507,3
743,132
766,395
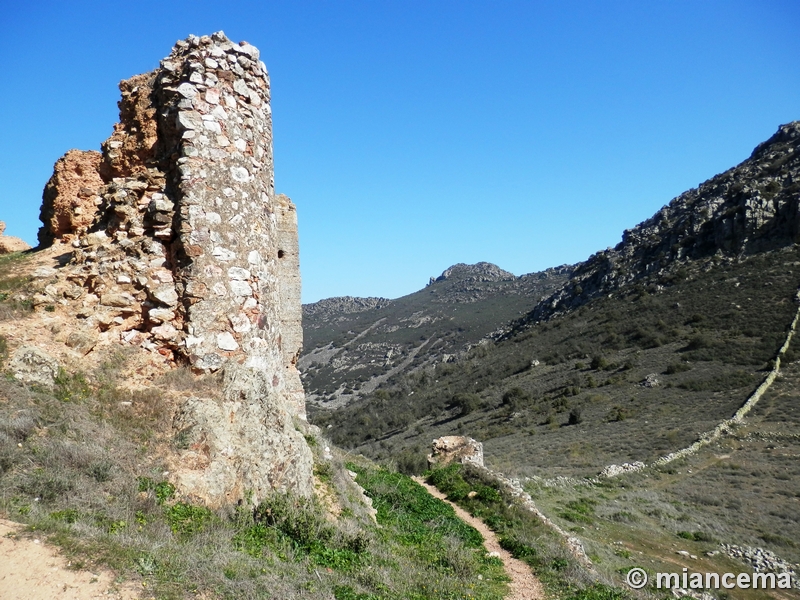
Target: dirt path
524,585
31,570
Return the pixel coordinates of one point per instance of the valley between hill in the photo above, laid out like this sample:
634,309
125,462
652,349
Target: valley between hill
641,349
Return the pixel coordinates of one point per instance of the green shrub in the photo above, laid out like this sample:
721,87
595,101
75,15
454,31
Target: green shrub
323,471
466,402
515,397
699,342
163,490
517,548
718,383
598,363
67,516
71,387
346,592
697,536
617,413
599,592
100,471
575,416
297,518
187,519
45,486
449,481
412,461
623,516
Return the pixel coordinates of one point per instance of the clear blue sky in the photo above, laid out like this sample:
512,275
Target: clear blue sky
416,134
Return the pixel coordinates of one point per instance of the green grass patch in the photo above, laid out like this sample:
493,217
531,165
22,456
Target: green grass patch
187,519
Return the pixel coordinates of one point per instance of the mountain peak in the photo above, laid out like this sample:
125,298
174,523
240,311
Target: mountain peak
482,271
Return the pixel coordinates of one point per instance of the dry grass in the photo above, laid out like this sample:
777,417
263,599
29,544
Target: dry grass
80,464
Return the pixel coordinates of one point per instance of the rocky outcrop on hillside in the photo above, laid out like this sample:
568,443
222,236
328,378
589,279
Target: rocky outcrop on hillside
342,305
472,283
9,243
750,208
179,245
458,448
482,271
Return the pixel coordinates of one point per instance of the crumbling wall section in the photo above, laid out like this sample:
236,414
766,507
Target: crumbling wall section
70,199
132,146
291,306
188,252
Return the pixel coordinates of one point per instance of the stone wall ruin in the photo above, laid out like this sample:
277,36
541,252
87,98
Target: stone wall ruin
181,246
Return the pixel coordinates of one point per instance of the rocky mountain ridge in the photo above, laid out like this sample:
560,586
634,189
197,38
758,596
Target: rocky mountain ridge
342,305
753,207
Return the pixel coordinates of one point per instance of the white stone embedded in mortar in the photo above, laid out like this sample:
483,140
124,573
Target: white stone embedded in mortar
162,275
212,126
240,323
165,332
226,341
212,96
240,174
161,204
166,294
240,87
212,218
192,340
187,90
247,49
160,315
223,254
219,113
241,288
188,119
239,273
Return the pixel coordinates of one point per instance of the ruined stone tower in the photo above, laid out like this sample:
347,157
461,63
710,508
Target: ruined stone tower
181,246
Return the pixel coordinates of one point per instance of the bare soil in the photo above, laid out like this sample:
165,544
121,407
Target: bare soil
32,570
